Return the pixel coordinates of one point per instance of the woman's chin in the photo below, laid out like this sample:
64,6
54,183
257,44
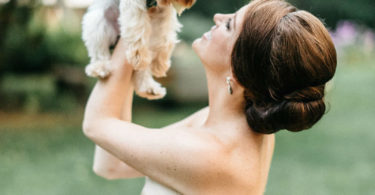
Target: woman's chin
197,45
196,41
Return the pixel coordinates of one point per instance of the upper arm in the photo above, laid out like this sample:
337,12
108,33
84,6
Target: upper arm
109,167
173,156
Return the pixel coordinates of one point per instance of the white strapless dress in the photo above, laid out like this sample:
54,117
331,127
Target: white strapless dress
154,188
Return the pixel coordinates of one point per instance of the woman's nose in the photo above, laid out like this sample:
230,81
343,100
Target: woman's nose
218,18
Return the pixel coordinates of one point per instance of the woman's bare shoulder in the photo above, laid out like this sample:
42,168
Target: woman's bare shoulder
195,119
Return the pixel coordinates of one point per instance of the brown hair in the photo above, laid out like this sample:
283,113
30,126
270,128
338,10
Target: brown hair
283,58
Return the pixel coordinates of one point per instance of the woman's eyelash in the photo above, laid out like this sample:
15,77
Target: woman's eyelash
228,23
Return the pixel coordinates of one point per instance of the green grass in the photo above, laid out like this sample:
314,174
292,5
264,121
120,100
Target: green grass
335,156
54,157
50,155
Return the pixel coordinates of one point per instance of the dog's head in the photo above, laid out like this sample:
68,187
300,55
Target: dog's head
179,5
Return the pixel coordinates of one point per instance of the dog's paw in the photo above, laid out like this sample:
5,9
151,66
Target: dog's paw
140,59
98,69
152,92
160,70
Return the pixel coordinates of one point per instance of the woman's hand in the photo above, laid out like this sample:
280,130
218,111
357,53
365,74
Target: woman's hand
119,61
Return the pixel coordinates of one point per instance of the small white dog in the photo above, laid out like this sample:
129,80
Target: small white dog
150,29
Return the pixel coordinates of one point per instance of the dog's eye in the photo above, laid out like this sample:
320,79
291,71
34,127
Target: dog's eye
228,23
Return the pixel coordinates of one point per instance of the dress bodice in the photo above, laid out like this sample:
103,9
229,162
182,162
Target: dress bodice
154,188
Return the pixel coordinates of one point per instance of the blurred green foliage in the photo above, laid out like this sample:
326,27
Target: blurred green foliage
361,11
29,47
31,58
22,49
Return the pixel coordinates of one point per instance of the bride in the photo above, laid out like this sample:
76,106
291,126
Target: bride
266,65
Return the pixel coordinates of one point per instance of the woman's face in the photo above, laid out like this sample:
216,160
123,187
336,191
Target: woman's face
215,47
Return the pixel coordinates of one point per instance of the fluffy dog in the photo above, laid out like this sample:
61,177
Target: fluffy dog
151,34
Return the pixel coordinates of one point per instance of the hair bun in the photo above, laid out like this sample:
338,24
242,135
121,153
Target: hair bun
299,110
306,94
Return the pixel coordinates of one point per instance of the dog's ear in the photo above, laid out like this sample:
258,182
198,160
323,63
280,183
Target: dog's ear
178,7
164,2
181,5
186,3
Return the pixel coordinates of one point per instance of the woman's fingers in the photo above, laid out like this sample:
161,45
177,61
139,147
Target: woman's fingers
119,54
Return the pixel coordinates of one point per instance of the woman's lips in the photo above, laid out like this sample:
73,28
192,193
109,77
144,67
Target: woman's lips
207,35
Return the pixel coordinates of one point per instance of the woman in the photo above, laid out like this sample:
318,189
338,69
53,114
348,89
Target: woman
266,67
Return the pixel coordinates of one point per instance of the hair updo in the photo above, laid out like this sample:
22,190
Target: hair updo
283,58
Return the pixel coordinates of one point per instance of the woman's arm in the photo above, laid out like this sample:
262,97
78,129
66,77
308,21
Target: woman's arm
174,156
105,164
108,166
108,98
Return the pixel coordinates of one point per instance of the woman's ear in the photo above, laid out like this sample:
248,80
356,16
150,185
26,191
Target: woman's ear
233,77
236,86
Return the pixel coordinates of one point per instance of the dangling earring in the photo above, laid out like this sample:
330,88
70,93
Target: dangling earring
230,89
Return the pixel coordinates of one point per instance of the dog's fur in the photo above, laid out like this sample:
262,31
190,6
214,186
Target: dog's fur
150,35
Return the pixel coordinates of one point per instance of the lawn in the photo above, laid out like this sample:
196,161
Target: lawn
48,154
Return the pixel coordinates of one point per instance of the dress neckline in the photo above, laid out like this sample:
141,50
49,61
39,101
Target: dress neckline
152,187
